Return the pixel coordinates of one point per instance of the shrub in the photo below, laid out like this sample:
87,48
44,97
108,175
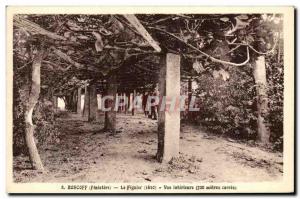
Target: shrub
226,107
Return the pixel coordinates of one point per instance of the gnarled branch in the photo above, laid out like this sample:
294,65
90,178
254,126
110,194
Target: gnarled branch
207,55
35,28
67,58
57,66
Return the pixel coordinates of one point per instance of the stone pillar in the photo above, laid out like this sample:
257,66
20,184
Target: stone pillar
86,106
133,100
99,98
110,116
79,101
129,101
93,106
55,102
74,101
189,115
169,121
259,73
125,103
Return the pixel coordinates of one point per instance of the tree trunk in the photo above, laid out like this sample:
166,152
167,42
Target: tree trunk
78,101
128,102
110,116
55,102
189,114
169,121
132,102
32,100
124,105
74,101
93,103
86,107
69,101
260,78
117,99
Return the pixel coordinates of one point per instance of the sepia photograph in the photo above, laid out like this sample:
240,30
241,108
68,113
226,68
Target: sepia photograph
160,100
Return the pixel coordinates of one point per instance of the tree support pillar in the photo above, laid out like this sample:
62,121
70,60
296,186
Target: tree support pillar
133,102
86,108
93,103
78,101
259,73
189,115
90,102
110,115
169,121
55,102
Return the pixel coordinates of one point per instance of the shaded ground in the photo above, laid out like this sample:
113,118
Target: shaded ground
85,154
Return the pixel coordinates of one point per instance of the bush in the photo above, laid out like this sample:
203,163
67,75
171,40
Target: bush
46,131
275,94
43,114
227,107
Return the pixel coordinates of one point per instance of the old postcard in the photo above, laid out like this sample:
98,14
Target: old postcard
150,99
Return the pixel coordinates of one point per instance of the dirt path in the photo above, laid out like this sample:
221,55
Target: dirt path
85,154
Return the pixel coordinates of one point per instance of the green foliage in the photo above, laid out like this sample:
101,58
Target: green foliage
275,75
20,96
18,123
228,102
46,131
43,114
227,107
45,126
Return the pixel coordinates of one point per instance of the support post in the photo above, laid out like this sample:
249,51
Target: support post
129,100
189,115
125,103
110,116
133,99
93,103
54,102
259,73
78,101
169,121
86,106
74,101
